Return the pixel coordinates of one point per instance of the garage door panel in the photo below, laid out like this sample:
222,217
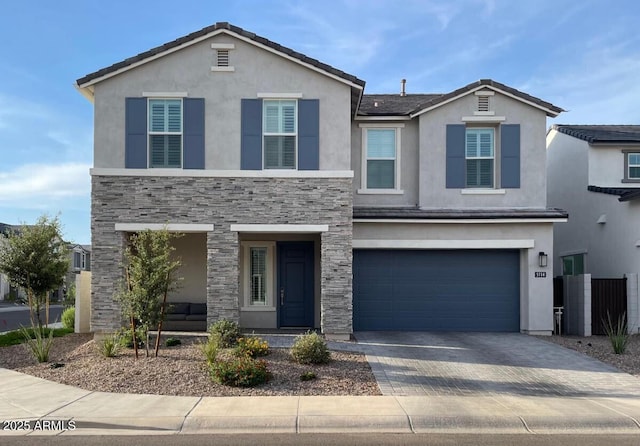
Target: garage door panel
475,290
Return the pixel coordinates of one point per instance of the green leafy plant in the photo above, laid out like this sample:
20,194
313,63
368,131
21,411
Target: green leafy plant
240,371
310,348
125,337
36,259
109,347
172,342
308,376
69,318
227,333
252,346
210,350
40,344
17,337
617,333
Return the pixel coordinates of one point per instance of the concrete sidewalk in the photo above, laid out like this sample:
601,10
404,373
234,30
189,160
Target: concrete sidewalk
24,398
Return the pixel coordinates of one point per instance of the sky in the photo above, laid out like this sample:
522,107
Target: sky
581,55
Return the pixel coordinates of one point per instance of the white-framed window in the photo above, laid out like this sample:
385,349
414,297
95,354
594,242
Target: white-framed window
479,157
258,272
633,165
165,132
573,265
280,133
381,158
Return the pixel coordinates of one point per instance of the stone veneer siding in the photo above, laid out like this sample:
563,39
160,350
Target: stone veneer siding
223,202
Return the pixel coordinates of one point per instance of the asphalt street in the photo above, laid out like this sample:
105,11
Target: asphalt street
13,317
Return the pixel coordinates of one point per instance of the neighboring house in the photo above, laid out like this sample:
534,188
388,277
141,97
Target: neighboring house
594,173
306,203
5,286
80,261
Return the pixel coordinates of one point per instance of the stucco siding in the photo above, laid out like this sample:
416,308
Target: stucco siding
532,191
189,70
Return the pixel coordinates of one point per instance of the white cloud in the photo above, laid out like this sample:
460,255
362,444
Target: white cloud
38,186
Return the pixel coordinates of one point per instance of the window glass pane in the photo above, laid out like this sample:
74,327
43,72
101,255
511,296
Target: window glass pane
174,116
258,274
634,158
480,173
578,264
279,152
486,144
634,172
381,143
271,118
381,174
156,147
288,117
472,144
567,266
156,115
174,154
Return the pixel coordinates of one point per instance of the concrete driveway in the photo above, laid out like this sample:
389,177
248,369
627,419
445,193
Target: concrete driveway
487,364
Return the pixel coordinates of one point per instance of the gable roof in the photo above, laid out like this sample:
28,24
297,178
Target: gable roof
357,85
392,104
439,100
603,134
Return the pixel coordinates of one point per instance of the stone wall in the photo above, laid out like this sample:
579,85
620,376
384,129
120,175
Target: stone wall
223,202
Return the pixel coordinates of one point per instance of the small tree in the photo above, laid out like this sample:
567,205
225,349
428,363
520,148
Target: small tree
150,273
36,259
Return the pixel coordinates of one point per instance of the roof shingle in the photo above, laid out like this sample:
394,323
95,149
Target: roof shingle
606,134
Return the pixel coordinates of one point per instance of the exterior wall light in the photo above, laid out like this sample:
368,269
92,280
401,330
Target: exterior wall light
542,259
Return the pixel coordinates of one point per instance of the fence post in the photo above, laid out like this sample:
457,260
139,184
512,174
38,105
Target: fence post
586,314
633,303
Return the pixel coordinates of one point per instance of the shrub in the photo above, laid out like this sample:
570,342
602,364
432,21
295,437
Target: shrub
227,332
110,346
210,350
617,333
125,337
308,376
310,348
240,372
69,318
171,342
252,346
38,342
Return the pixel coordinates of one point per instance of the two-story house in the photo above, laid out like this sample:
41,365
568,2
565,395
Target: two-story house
306,203
594,173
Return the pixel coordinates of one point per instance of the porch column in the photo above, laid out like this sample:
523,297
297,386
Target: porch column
336,306
222,275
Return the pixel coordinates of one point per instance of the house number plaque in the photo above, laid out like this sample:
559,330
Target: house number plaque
540,274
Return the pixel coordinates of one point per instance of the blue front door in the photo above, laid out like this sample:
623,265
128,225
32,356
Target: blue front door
295,284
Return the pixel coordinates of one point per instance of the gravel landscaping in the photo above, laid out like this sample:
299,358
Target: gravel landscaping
182,370
599,347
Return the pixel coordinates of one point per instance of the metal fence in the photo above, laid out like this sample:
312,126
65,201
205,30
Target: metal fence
608,299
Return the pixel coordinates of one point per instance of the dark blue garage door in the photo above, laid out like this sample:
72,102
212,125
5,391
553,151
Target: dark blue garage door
453,290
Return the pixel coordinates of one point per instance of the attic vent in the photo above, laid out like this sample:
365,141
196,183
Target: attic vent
483,103
223,58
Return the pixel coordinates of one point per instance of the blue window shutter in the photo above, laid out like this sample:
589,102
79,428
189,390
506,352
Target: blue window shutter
308,134
251,134
135,144
510,155
193,128
455,176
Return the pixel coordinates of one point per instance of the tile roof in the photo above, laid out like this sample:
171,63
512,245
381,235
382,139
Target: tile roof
356,92
594,134
392,104
552,110
395,104
624,193
207,30
435,214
